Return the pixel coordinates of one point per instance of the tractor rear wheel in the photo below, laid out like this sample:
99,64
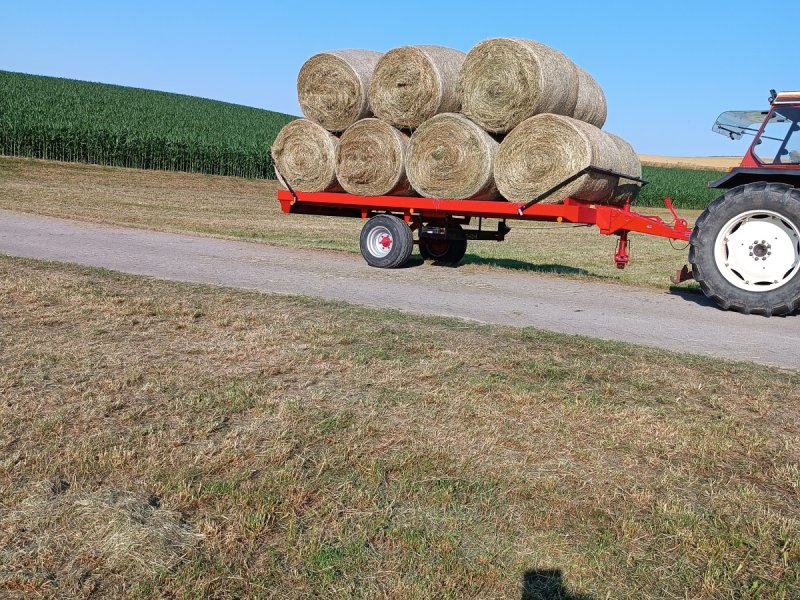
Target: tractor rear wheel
745,249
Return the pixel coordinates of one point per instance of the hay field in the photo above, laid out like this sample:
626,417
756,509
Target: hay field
171,440
721,163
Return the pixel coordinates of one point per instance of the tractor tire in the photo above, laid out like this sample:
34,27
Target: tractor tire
745,249
444,252
386,242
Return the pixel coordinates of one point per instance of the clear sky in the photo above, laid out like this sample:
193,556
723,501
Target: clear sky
668,68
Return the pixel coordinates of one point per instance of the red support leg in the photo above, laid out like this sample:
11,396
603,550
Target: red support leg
621,256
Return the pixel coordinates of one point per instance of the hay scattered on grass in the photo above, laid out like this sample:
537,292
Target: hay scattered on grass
413,83
78,538
546,149
451,157
370,159
591,106
332,87
304,154
503,81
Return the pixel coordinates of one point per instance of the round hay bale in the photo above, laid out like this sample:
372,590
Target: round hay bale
449,156
628,165
370,159
304,155
413,83
332,87
591,106
503,81
544,150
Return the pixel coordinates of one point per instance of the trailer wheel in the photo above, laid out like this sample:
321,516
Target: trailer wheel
745,249
448,251
386,242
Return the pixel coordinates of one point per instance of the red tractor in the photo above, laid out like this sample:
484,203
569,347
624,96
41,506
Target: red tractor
745,247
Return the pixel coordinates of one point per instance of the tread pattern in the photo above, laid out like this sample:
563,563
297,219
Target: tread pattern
778,197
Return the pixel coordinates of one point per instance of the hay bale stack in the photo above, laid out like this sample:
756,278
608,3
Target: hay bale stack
544,150
451,157
591,106
628,165
413,83
332,87
503,81
304,154
370,159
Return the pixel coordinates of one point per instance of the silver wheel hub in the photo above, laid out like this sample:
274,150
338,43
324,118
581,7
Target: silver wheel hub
758,250
379,241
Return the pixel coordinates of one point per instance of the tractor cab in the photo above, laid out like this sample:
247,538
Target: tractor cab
774,155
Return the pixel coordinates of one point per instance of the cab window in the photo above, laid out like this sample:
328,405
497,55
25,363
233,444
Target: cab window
779,142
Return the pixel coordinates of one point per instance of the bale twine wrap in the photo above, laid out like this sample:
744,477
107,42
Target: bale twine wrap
628,165
544,150
332,87
591,106
370,159
304,154
413,83
449,156
503,81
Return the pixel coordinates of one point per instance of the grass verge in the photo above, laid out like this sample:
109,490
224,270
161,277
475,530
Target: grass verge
247,209
163,439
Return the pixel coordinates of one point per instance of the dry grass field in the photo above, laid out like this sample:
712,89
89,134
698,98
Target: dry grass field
721,163
241,208
186,441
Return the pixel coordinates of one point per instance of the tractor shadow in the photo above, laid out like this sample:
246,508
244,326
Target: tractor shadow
548,584
696,296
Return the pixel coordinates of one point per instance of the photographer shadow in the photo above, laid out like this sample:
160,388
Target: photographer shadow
548,584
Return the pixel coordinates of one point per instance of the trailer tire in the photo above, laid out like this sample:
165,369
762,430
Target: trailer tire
745,249
445,252
386,242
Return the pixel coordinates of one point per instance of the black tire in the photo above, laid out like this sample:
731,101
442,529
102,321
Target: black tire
386,242
781,204
445,252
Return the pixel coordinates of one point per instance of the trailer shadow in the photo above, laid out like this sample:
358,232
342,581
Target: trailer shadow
521,265
548,584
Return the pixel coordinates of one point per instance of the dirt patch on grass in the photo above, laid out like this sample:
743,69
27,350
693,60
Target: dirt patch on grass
301,448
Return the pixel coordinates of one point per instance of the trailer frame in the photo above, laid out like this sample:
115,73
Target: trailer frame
433,217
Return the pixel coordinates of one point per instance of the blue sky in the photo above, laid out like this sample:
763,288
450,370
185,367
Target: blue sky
668,68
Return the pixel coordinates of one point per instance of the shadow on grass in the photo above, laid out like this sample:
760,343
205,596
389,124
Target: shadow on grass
548,584
521,265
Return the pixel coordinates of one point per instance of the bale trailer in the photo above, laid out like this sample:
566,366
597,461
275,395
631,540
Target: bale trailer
744,249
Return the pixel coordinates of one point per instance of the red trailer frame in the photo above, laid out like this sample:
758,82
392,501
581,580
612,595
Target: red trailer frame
610,220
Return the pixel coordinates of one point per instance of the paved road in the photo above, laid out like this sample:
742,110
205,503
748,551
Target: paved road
685,322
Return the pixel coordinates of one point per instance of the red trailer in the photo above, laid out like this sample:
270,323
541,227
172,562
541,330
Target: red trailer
443,226
744,248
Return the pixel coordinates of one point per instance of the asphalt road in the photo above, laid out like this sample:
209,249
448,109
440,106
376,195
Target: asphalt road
684,322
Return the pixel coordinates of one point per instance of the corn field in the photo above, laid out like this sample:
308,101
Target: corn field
76,121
